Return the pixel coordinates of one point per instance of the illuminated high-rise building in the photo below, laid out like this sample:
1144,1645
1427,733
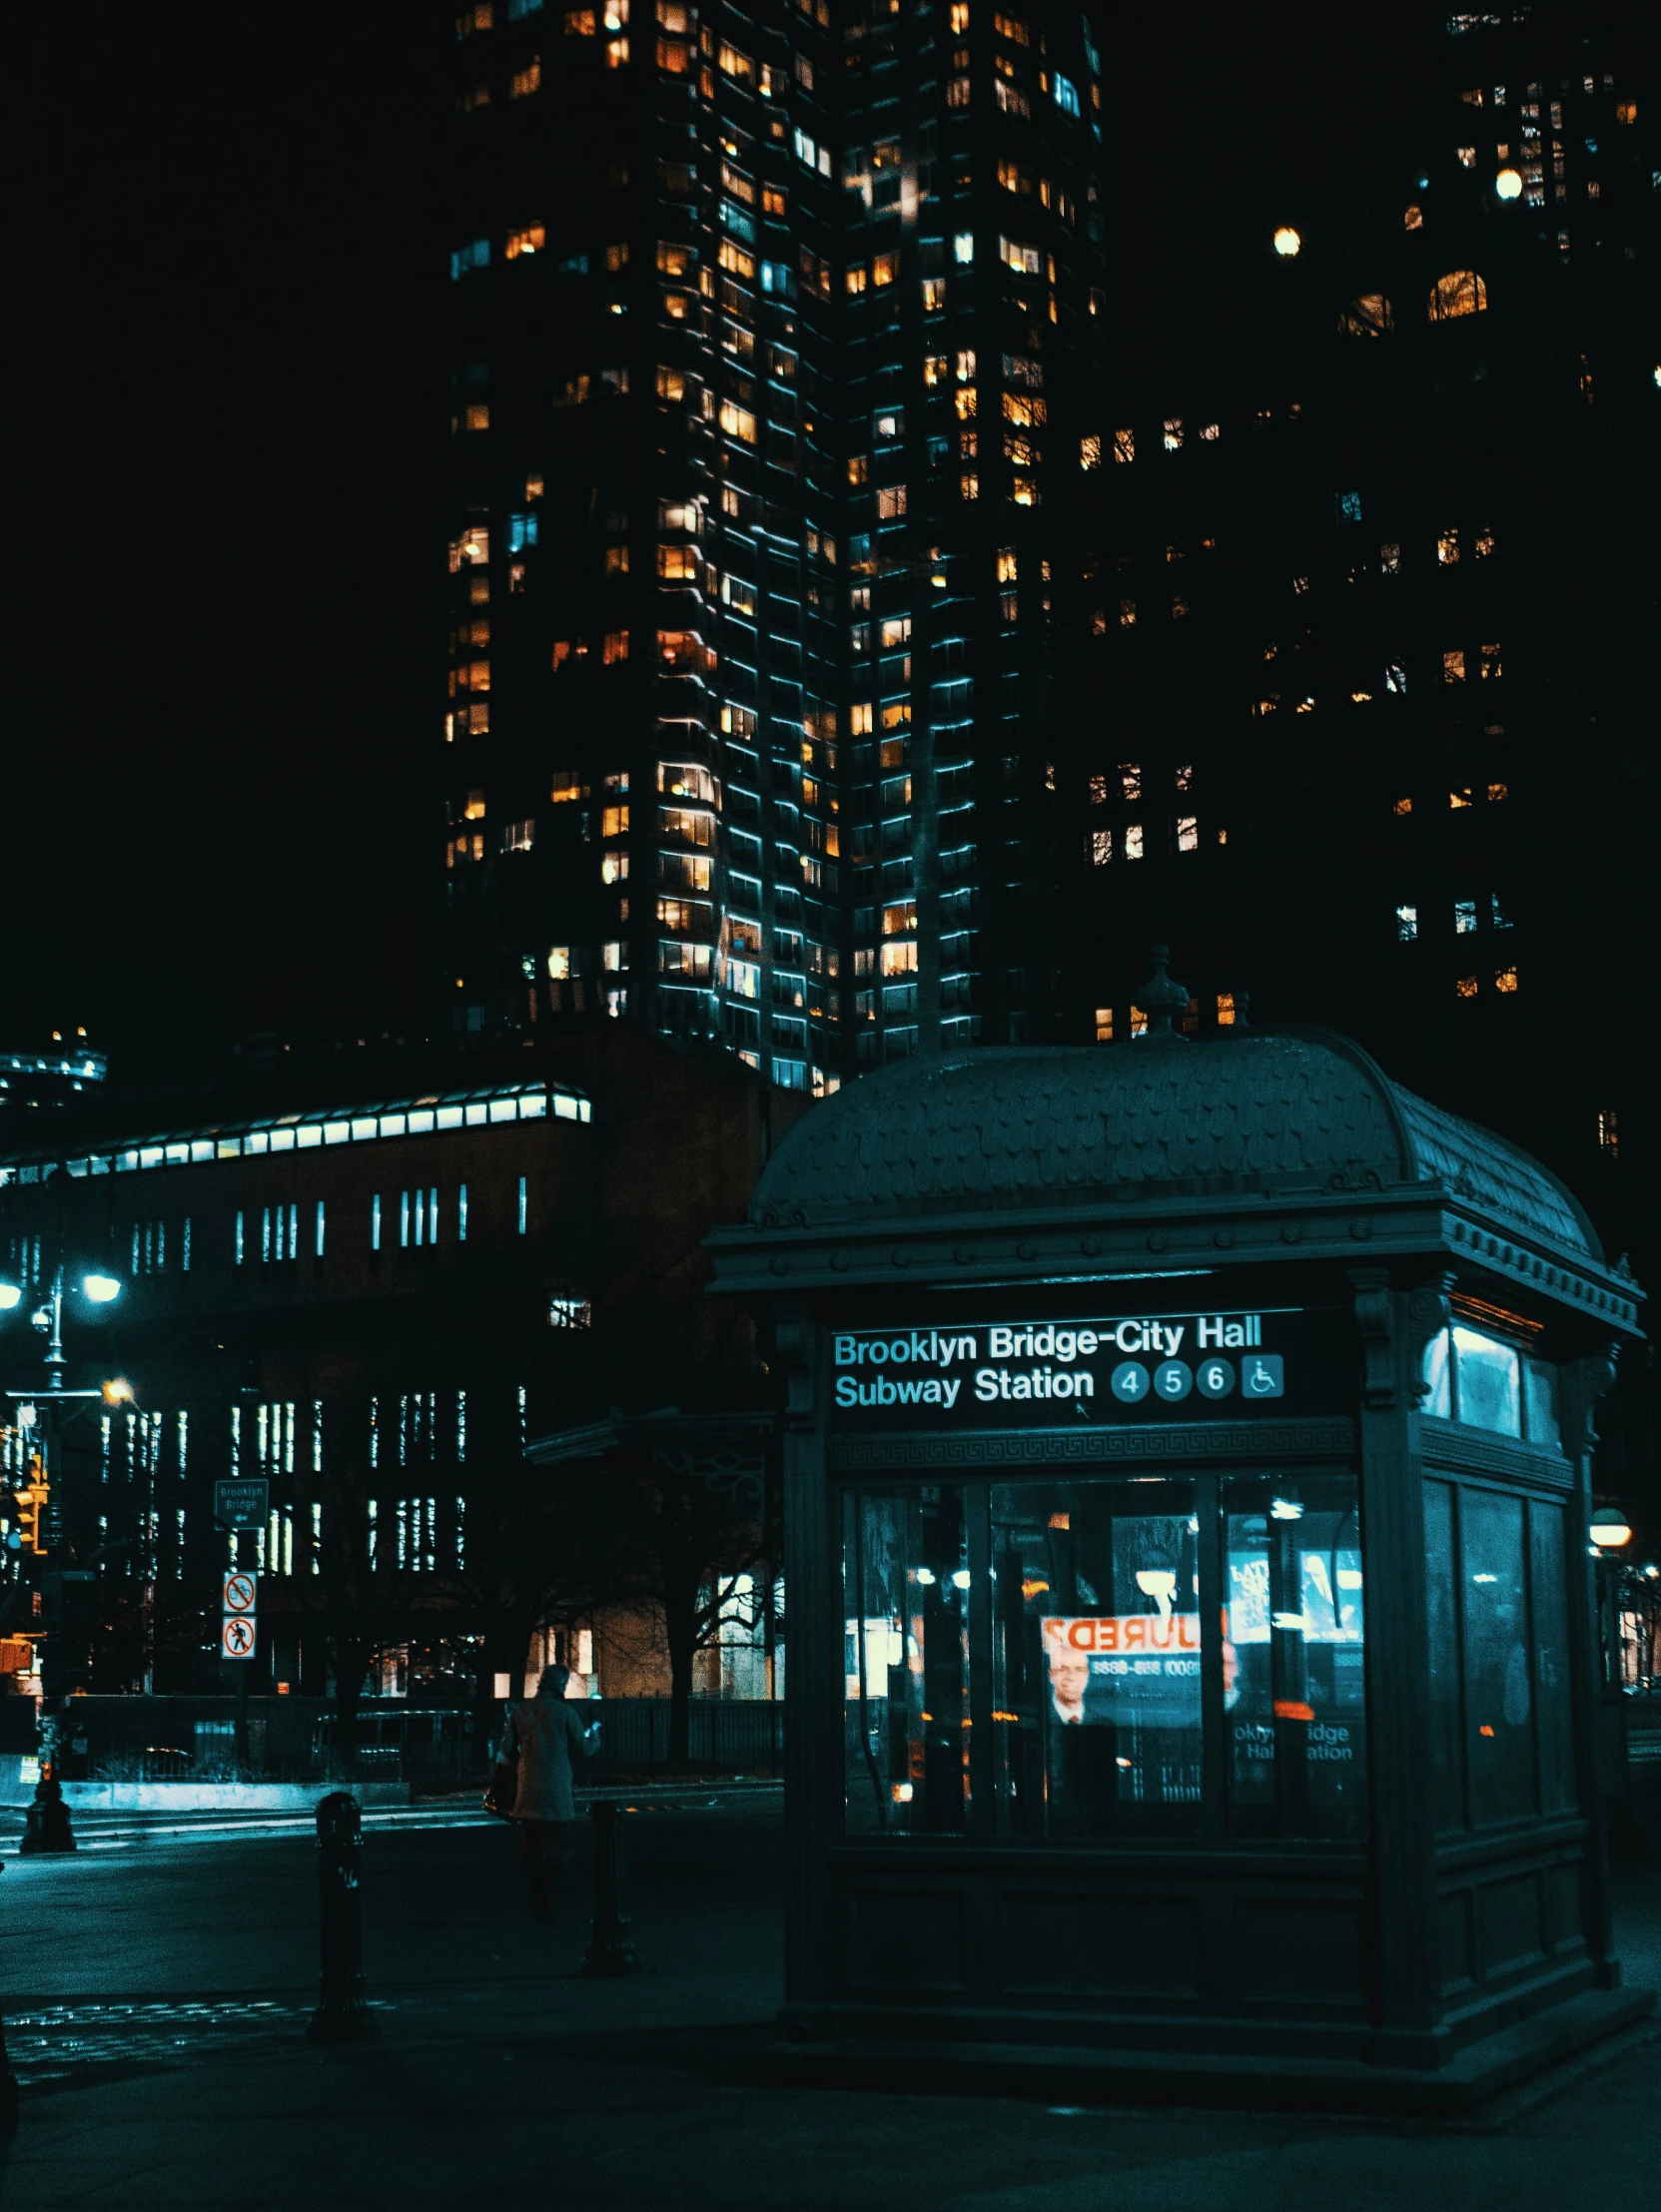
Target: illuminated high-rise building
770,337
1357,715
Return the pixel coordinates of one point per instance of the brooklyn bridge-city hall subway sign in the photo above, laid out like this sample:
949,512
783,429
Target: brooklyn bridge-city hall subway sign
1192,1685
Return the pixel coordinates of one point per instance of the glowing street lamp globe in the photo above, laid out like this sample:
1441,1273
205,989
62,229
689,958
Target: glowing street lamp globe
10,1294
1288,243
1610,1529
1508,185
101,1288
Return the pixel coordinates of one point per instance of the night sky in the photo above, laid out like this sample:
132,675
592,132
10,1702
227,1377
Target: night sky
231,391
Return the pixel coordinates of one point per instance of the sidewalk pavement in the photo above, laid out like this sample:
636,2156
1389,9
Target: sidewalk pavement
130,1830
500,2077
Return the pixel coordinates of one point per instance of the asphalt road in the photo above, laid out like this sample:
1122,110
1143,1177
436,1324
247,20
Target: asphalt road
235,1915
156,1998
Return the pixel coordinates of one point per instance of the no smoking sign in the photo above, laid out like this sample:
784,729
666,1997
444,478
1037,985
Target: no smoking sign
237,1634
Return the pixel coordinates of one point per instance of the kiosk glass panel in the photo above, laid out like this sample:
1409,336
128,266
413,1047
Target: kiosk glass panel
1499,1695
1553,1695
1487,1389
1444,1674
1487,1383
1295,1656
906,1717
1438,1377
1539,1391
1095,1659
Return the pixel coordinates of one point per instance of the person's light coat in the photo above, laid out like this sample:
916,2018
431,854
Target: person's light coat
552,1735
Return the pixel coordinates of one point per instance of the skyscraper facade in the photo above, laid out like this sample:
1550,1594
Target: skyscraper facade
1357,713
1357,706
770,342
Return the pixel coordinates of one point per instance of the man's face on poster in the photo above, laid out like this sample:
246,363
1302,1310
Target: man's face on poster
1069,1673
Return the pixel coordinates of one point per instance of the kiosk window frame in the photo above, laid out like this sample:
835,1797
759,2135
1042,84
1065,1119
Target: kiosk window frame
1063,1695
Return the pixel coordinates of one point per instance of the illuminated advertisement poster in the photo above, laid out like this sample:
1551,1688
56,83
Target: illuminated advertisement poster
1294,1646
1115,1668
1104,1370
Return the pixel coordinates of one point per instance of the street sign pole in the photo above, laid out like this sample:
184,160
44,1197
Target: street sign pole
240,1503
238,1634
241,1737
241,1741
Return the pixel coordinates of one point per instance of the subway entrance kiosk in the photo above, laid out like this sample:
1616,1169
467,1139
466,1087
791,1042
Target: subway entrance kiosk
1192,1684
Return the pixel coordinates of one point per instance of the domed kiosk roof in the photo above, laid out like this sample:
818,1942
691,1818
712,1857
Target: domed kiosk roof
1263,1112
1159,1155
1034,1127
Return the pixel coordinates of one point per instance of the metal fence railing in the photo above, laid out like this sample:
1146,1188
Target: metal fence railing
293,1739
738,1736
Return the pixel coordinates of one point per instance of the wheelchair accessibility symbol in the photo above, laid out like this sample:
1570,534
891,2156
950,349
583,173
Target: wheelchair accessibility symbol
1262,1375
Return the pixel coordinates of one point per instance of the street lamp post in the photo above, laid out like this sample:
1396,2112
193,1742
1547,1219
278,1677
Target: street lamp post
1611,1532
45,1824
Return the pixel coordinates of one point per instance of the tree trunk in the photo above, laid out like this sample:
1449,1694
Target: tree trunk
350,1656
493,1657
680,1629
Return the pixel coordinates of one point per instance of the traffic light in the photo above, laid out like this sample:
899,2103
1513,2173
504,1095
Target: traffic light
29,1503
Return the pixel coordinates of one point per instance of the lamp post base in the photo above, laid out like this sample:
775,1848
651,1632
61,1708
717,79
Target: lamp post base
342,2015
610,1945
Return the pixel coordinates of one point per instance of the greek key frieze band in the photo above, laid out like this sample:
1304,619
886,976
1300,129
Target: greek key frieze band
1329,1439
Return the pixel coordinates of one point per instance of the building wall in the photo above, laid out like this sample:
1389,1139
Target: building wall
389,1391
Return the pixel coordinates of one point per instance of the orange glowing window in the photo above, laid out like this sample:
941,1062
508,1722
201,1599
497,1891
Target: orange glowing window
1368,316
1461,291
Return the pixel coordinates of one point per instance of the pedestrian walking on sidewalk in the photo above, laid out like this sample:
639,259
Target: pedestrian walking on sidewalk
551,1736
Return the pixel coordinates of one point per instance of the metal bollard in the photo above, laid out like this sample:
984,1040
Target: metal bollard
610,1945
45,1824
342,2015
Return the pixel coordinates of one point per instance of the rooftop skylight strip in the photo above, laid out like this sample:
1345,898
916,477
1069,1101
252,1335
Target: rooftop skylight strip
455,1111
